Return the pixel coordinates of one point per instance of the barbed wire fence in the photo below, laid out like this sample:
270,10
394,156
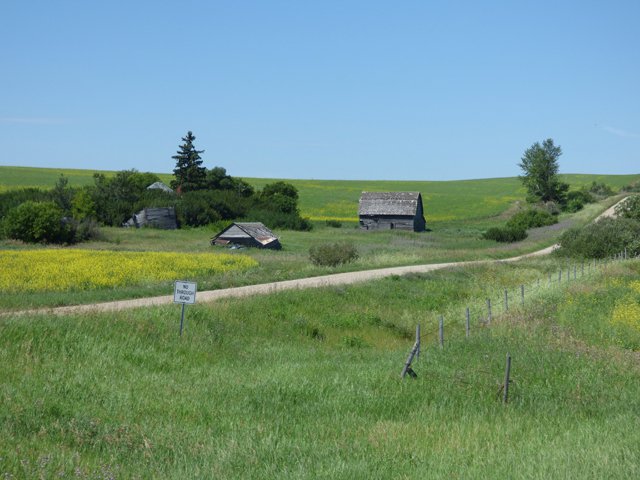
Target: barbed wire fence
499,302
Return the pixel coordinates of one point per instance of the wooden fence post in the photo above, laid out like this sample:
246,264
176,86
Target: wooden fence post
506,300
489,311
441,331
468,323
418,341
507,375
407,365
522,294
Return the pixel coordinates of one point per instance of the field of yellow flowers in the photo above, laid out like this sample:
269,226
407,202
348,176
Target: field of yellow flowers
64,270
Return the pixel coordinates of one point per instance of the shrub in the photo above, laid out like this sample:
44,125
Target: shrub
282,220
505,234
333,254
552,208
195,210
531,218
602,239
630,208
13,198
577,199
39,222
633,187
203,207
600,189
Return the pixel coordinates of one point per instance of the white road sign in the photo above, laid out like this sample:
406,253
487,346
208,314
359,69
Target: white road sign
185,292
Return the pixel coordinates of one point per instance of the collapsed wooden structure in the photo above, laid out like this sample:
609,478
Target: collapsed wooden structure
158,217
247,234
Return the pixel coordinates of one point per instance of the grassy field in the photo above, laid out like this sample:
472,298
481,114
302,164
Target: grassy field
449,241
305,384
338,199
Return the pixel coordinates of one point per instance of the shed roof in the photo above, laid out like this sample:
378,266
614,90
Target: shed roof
389,203
256,230
160,186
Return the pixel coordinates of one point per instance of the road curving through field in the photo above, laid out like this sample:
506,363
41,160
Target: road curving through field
335,279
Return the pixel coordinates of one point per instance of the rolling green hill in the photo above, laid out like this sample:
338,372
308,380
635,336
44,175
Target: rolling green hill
338,199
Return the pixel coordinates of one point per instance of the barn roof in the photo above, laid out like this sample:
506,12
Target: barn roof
389,203
239,230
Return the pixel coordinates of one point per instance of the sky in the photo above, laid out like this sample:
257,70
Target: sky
370,90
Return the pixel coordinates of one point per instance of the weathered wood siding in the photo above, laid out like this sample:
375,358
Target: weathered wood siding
382,222
391,211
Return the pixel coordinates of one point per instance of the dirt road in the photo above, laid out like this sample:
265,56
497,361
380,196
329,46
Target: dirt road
266,288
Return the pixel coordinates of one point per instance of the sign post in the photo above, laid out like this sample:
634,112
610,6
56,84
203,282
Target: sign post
184,293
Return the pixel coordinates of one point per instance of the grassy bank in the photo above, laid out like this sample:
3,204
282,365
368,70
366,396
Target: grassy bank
306,385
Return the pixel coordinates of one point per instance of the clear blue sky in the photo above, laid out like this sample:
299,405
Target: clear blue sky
426,90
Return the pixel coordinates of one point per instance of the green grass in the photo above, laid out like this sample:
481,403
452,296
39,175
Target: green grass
338,199
449,241
305,384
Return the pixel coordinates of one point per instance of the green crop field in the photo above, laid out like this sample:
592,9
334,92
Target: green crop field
306,384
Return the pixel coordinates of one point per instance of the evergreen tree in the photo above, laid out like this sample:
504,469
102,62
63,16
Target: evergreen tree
189,173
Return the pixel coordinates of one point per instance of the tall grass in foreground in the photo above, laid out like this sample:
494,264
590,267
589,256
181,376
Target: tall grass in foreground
305,384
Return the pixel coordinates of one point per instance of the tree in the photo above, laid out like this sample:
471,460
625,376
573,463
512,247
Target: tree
281,197
189,172
540,173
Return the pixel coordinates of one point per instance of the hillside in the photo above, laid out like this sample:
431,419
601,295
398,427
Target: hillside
338,199
306,384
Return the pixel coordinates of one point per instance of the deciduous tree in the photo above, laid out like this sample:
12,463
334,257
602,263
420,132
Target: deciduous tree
540,173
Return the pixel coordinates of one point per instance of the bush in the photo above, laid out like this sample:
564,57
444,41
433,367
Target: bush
11,199
600,189
281,220
602,239
505,234
630,208
333,254
39,222
633,187
577,199
552,208
531,218
203,207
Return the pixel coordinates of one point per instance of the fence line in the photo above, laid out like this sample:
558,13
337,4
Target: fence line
484,315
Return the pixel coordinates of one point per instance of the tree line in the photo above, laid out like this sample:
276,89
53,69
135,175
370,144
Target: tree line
200,196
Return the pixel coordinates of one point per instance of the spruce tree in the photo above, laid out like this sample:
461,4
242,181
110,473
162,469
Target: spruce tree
189,173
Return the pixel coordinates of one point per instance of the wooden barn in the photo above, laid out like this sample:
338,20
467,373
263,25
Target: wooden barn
251,234
160,217
391,210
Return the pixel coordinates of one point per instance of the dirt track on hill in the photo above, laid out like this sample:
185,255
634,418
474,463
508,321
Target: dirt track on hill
267,288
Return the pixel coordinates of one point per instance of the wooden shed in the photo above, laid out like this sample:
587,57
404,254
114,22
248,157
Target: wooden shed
160,217
249,234
391,210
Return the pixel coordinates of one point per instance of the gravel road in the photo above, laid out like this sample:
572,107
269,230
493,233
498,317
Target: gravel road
266,288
